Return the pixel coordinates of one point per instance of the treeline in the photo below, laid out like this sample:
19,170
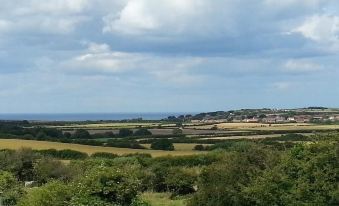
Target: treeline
17,130
23,128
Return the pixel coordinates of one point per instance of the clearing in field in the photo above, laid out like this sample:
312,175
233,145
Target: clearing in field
41,145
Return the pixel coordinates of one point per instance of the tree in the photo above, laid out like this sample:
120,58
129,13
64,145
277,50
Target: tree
125,132
177,131
53,193
307,175
162,144
117,186
22,164
199,147
10,190
81,134
67,135
142,132
180,181
222,183
47,169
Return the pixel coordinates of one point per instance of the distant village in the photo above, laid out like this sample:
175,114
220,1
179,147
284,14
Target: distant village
268,116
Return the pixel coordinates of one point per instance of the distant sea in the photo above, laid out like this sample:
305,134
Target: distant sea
89,116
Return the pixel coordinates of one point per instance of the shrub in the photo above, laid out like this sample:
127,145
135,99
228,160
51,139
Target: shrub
104,155
180,181
162,144
112,185
62,154
10,190
142,132
199,147
81,134
53,193
47,169
125,132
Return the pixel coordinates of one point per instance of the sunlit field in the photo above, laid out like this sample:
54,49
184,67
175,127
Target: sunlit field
41,145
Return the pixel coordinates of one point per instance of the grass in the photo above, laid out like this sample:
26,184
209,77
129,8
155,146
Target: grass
41,145
162,199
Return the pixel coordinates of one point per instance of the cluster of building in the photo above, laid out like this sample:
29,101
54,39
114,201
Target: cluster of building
272,119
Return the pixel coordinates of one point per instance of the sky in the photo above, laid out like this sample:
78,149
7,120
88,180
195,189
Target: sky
85,56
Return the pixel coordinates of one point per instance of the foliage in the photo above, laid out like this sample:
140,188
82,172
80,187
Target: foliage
142,132
180,181
104,155
112,185
162,144
47,169
54,192
62,154
81,134
10,190
125,132
199,147
177,131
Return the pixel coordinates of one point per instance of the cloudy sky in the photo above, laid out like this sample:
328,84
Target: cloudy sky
59,56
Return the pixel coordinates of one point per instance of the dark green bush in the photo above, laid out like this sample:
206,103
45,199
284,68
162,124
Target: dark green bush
162,144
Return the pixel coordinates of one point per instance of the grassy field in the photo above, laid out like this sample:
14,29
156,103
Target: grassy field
162,199
40,145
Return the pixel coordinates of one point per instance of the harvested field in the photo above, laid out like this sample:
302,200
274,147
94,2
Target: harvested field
41,145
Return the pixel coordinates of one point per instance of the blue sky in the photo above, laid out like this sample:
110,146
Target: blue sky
60,56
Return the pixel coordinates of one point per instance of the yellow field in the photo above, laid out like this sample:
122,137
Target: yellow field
40,145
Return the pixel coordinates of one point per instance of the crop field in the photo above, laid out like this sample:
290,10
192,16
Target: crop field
41,145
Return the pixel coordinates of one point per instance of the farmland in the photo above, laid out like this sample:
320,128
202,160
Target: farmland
173,162
43,145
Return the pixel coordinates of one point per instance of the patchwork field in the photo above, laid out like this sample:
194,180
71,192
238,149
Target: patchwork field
267,127
41,145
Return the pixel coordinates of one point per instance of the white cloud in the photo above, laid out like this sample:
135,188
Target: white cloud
98,48
98,59
289,3
320,28
142,16
58,25
133,18
50,7
4,25
53,16
301,65
283,86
